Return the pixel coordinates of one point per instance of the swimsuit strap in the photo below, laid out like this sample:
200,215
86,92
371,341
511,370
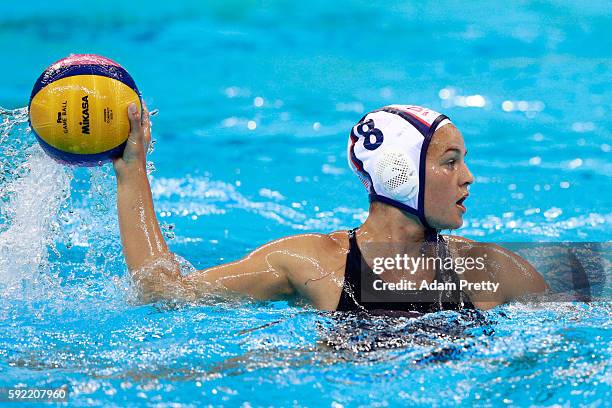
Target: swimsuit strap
456,299
350,297
352,281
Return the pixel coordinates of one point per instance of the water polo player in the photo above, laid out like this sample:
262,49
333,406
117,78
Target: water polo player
412,162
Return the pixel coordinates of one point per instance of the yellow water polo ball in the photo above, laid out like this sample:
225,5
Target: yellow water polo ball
78,109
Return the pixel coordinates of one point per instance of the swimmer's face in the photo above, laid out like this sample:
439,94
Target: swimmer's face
446,179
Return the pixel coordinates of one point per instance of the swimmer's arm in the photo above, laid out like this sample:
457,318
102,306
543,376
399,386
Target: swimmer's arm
299,265
260,275
516,276
150,263
152,266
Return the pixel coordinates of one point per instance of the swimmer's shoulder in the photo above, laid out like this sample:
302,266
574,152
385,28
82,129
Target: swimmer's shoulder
463,246
314,244
514,273
302,250
492,254
322,251
314,264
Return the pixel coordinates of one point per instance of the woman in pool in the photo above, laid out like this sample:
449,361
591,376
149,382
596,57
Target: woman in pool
412,162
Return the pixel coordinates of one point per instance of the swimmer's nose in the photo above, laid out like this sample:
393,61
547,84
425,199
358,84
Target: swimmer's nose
468,177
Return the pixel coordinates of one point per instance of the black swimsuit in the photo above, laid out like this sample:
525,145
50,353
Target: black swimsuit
378,302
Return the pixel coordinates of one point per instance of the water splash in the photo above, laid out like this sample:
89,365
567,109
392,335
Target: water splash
58,229
32,190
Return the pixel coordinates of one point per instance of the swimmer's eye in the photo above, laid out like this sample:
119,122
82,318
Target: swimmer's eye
451,163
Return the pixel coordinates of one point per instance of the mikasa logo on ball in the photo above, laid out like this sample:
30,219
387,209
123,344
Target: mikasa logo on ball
85,123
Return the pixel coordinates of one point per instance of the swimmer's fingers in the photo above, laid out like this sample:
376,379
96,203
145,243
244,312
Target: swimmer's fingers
146,124
136,123
134,148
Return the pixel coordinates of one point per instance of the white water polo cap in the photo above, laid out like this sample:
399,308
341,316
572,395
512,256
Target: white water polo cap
387,150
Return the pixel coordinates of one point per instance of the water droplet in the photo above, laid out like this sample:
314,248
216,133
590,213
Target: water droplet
231,92
476,101
553,213
575,163
535,161
445,93
508,106
230,122
522,105
386,92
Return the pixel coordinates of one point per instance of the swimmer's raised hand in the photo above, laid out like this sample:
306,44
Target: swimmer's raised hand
143,241
134,155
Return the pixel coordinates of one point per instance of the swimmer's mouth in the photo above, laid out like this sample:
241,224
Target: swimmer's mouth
459,202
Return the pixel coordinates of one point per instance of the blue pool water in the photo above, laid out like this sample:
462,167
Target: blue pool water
255,104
